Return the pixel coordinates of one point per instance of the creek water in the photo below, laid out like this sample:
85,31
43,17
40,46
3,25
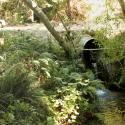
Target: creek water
112,107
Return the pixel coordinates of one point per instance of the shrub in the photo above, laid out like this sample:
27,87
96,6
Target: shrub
16,81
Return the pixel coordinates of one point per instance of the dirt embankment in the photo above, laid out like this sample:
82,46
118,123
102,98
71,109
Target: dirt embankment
40,29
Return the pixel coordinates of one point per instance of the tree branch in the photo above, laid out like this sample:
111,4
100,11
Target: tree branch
122,4
38,11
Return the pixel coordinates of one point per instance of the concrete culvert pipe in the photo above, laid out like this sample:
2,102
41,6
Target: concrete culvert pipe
91,51
91,55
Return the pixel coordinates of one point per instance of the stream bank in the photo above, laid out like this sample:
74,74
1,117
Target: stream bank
111,105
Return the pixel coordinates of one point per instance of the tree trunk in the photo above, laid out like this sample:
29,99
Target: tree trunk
38,11
68,10
122,4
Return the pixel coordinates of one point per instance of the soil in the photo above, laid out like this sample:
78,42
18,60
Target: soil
40,29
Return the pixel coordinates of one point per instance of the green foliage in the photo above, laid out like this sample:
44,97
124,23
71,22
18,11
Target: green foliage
15,80
113,46
17,12
51,7
64,105
19,111
112,55
111,37
40,86
108,35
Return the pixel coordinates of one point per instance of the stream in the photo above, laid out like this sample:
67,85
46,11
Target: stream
112,107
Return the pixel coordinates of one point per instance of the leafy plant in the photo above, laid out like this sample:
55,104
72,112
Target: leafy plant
40,86
16,81
18,13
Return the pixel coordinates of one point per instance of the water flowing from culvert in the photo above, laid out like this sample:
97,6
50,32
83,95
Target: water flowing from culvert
112,107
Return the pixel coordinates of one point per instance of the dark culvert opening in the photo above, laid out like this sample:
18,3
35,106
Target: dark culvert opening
90,53
91,56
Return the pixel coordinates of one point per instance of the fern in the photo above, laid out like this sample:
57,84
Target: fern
16,81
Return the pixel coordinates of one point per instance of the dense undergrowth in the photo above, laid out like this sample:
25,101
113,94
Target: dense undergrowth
39,86
112,57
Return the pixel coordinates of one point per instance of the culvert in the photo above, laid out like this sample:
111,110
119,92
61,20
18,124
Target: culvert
91,52
91,55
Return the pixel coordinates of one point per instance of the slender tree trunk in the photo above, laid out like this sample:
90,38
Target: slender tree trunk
122,4
38,11
68,10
